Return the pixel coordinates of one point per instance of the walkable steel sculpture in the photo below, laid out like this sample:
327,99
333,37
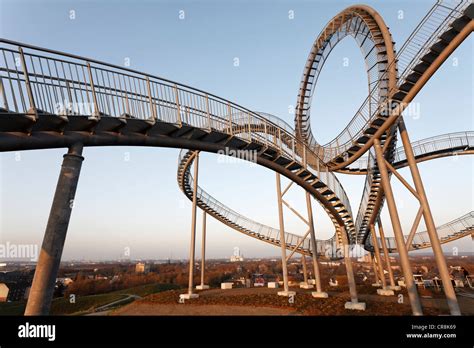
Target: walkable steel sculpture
52,99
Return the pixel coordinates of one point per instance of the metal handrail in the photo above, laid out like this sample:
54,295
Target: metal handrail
57,80
425,147
452,230
243,223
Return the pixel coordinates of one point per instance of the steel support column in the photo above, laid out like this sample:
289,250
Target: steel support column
314,250
354,303
202,286
190,293
305,269
430,225
385,291
397,229
377,256
42,288
284,267
387,256
376,276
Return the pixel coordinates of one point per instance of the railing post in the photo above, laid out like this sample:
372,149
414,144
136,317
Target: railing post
150,98
208,113
96,113
229,110
279,138
178,107
4,96
250,129
32,109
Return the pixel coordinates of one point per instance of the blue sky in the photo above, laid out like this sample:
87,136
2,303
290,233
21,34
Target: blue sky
136,203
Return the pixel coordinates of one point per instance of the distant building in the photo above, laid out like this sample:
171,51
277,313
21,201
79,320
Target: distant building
237,257
3,292
142,267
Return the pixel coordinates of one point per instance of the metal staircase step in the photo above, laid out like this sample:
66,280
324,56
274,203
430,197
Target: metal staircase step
469,11
460,23
421,68
439,46
449,35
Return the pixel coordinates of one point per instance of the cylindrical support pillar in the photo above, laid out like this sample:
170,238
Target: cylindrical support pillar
193,225
348,262
430,225
314,247
377,256
203,248
386,254
305,269
282,234
397,230
42,288
376,276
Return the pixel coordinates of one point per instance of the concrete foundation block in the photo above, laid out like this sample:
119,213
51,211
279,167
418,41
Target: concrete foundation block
357,306
376,285
321,294
304,285
286,293
226,286
385,292
188,296
395,288
202,287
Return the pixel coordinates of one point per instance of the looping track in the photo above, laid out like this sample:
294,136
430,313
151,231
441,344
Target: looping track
125,107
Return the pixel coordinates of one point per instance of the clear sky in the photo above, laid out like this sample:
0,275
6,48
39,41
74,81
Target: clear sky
136,203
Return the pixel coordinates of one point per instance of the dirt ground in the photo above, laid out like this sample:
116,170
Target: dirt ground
138,308
264,301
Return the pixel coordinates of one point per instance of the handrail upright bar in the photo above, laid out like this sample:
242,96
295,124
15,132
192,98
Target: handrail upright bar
150,98
4,95
208,113
229,110
178,107
96,113
32,109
